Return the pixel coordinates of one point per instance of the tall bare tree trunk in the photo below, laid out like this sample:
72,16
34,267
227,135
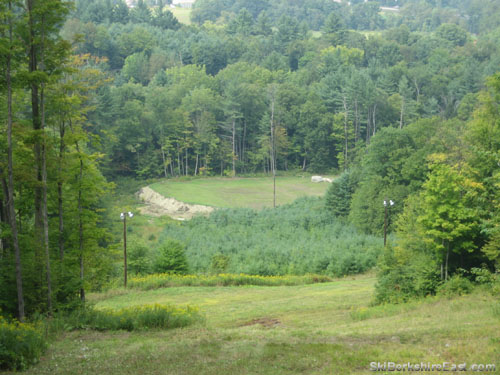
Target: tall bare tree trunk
80,220
415,82
80,229
442,264
244,145
4,205
10,201
44,183
446,264
37,127
3,219
164,162
273,151
356,121
346,114
234,147
178,159
62,146
368,127
46,225
401,118
20,214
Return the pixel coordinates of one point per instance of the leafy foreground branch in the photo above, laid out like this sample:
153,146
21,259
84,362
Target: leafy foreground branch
21,344
164,280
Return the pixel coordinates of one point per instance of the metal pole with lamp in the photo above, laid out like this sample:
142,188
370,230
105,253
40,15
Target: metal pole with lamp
386,204
123,216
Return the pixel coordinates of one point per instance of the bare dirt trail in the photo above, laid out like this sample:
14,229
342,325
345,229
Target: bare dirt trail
157,205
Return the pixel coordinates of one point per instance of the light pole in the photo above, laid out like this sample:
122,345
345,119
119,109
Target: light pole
123,216
386,204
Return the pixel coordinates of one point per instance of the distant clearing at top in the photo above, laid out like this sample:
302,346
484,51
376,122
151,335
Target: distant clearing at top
239,192
182,14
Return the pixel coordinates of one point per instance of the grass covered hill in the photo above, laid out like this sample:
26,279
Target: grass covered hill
182,14
254,192
312,329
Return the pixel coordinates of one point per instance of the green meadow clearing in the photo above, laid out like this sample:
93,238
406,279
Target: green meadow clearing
182,14
240,192
312,329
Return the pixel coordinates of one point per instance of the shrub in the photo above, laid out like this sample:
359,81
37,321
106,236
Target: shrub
21,345
483,276
133,318
339,195
455,286
139,260
171,258
495,287
220,263
400,281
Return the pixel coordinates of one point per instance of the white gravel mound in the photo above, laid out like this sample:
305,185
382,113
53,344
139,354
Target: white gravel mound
157,205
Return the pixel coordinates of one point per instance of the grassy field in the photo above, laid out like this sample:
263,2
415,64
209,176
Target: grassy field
315,329
182,14
239,192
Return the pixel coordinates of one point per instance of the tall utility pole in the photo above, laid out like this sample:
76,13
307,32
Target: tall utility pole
234,146
123,216
273,145
386,204
346,114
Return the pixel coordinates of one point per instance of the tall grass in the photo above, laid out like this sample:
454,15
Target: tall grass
133,318
168,280
496,309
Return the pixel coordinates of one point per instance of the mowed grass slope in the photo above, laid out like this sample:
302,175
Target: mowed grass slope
182,14
314,329
239,192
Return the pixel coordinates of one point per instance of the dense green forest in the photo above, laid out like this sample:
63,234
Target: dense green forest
402,103
201,100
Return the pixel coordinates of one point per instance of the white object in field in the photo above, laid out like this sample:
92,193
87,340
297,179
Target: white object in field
321,179
183,3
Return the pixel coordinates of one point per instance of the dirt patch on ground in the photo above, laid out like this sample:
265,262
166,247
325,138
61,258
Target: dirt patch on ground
264,322
157,205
